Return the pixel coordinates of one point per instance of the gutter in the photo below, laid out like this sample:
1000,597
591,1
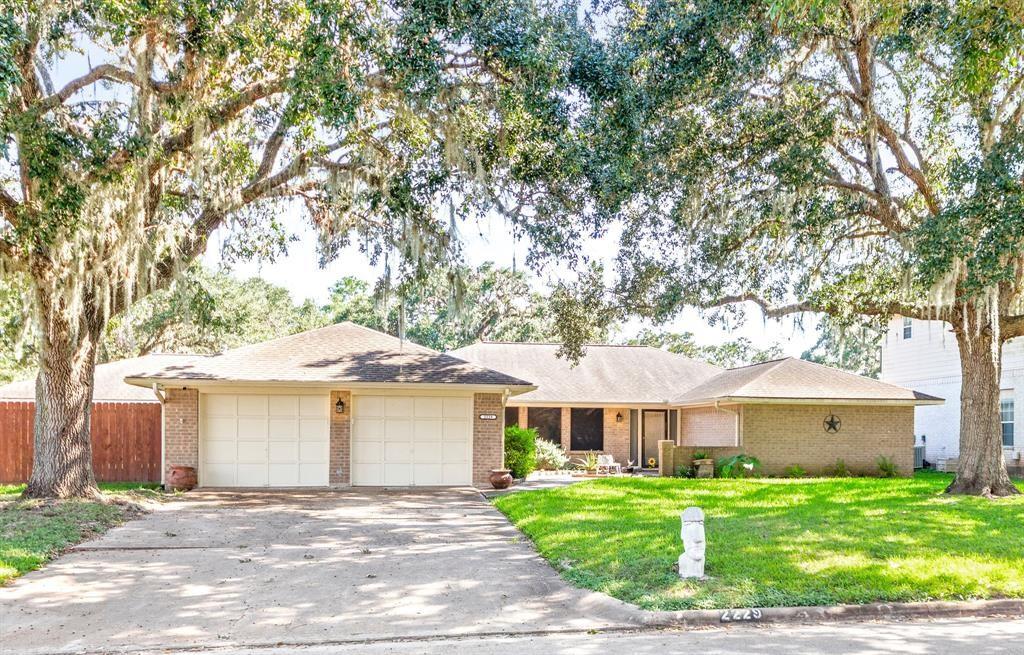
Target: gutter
162,399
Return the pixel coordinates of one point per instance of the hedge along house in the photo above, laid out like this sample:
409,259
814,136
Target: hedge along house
341,405
646,405
617,400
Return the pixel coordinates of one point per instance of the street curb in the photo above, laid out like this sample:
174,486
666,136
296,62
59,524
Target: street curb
836,613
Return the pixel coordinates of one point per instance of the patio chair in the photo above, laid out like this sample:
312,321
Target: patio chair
608,464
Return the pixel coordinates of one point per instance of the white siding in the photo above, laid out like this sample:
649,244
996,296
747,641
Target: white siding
930,362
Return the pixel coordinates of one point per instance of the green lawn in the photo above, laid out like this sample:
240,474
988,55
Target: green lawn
778,542
32,532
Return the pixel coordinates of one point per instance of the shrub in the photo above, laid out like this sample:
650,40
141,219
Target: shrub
700,454
686,471
520,450
887,467
737,466
840,470
588,462
550,456
795,471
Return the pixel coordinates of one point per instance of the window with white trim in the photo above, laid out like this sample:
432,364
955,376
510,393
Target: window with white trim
1006,418
908,328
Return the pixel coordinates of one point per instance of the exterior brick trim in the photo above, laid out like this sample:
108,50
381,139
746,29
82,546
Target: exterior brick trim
181,429
340,459
488,436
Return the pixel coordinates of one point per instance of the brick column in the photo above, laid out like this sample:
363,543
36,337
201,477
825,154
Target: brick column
666,459
566,428
341,440
616,434
523,418
488,439
181,429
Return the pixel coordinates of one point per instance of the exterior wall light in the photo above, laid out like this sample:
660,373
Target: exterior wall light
618,417
339,407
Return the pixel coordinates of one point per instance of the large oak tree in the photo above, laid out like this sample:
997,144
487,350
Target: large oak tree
850,157
130,131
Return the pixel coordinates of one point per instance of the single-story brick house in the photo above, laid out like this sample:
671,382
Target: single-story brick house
340,405
347,405
628,400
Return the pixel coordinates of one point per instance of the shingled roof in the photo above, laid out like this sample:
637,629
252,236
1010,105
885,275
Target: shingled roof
344,353
109,380
798,380
607,375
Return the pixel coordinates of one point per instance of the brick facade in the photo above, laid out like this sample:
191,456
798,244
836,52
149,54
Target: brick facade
341,441
783,435
181,429
616,434
488,439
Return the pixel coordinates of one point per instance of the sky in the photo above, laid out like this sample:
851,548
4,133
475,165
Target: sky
489,240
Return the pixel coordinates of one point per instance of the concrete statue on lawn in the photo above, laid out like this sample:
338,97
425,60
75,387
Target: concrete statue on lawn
691,562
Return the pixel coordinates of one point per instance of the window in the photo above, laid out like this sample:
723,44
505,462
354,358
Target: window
511,416
547,421
908,328
1006,419
587,429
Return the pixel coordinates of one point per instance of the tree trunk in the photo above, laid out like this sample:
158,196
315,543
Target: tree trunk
62,461
982,468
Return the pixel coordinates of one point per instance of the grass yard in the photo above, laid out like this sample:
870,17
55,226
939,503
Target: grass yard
33,532
778,542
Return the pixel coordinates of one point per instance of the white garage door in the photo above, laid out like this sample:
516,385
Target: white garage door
250,440
411,440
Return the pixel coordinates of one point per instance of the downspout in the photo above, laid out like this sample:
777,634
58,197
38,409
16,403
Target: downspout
738,427
161,398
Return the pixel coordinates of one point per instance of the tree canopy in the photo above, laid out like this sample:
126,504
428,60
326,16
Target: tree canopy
207,312
130,131
729,354
450,310
841,156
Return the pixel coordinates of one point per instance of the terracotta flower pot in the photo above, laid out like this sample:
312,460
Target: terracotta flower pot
182,478
501,478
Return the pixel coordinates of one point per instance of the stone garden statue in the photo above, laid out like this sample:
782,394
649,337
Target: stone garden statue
691,562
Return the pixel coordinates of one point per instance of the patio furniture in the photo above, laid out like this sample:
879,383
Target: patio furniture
608,464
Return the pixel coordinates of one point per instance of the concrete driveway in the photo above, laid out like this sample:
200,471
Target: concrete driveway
296,567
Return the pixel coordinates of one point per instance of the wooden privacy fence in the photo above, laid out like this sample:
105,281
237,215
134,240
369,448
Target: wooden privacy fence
125,441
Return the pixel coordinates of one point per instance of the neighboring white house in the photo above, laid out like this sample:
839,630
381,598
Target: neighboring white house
923,356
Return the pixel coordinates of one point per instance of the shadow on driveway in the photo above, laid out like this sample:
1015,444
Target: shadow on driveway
218,568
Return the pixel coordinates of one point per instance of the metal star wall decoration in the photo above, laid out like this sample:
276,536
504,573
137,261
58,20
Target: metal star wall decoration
832,424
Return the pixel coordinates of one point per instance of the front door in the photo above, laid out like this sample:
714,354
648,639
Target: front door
655,430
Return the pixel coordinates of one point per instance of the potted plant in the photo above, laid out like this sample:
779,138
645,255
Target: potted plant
703,464
588,462
500,478
182,478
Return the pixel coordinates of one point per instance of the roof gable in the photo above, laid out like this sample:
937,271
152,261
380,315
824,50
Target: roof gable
340,353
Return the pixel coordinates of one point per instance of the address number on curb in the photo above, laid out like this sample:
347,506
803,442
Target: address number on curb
731,616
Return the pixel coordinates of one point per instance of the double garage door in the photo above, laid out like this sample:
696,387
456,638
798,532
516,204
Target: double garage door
280,440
